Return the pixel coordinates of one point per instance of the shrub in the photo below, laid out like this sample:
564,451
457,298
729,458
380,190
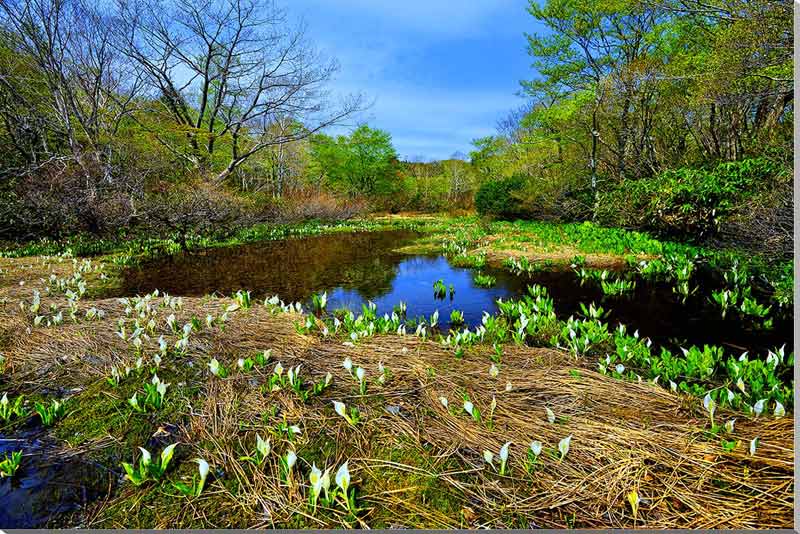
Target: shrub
318,205
501,197
688,203
197,208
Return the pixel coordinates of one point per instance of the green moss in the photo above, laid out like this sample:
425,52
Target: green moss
101,410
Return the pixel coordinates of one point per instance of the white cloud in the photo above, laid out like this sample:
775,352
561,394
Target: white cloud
396,54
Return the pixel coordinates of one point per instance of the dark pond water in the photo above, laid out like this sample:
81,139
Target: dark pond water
355,268
44,488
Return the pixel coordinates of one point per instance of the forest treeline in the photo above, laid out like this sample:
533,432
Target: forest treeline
671,116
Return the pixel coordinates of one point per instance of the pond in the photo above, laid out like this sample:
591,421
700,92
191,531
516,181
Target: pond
354,268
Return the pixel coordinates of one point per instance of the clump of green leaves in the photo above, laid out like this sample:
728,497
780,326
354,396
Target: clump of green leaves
439,289
617,287
154,393
242,298
319,302
9,464
147,468
456,318
9,410
484,280
50,412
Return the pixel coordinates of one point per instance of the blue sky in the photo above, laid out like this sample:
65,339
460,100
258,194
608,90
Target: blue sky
440,72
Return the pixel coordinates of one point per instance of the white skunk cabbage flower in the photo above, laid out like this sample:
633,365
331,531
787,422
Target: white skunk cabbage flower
504,452
536,447
325,482
203,468
343,477
740,385
753,446
166,455
551,417
291,459
263,447
729,426
488,457
146,459
563,446
444,401
340,408
780,411
469,407
710,405
348,364
759,407
315,478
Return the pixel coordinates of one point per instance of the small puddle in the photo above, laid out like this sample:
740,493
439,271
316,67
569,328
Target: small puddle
354,268
45,487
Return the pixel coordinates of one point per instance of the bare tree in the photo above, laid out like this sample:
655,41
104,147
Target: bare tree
233,75
84,88
64,95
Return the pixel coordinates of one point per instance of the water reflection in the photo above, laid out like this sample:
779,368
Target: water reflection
356,267
292,268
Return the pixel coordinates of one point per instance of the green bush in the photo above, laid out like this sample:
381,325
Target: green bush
687,203
501,197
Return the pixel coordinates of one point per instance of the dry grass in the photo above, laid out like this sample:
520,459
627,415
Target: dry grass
421,466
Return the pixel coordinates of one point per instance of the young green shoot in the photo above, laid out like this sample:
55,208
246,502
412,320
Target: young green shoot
9,464
49,413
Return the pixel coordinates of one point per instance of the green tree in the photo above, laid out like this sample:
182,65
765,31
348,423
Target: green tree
362,163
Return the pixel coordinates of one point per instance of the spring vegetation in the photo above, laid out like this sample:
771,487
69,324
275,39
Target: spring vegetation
655,146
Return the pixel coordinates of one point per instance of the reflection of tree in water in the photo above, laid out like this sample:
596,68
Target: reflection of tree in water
292,268
371,279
